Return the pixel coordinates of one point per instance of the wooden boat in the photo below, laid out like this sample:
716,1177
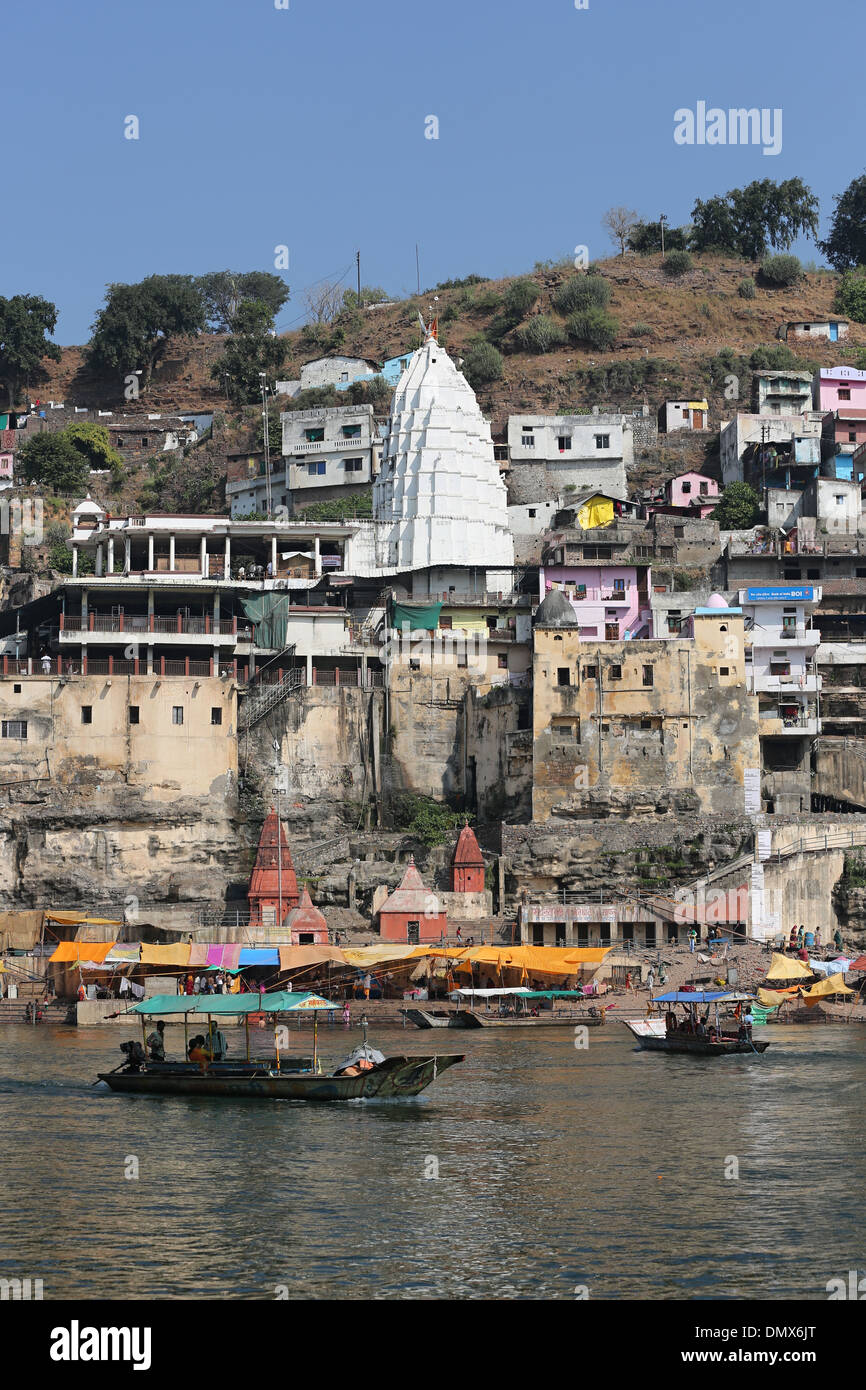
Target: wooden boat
692,1034
364,1075
390,1079
514,1008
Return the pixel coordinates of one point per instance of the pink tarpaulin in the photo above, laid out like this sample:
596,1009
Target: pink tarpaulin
214,955
231,956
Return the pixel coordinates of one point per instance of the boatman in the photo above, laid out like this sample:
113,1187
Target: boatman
156,1043
217,1047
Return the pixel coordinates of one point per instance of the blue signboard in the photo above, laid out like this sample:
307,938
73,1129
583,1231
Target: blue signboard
780,594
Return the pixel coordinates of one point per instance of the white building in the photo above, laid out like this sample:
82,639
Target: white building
579,452
685,415
328,451
737,434
780,656
339,372
440,494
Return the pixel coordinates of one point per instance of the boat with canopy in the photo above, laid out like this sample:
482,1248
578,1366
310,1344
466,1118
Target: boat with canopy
363,1075
518,1007
704,1034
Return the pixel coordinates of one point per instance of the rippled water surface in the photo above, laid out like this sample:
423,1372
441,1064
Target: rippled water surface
558,1168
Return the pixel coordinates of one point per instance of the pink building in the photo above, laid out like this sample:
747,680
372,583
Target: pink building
611,602
695,492
839,388
6,466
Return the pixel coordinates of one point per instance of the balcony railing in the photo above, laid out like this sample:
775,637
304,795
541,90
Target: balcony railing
324,446
157,623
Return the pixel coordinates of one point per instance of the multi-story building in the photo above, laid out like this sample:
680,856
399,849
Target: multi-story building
648,726
610,602
338,372
550,454
781,393
781,647
329,453
751,446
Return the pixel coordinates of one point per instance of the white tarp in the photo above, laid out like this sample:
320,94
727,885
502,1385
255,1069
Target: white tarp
485,993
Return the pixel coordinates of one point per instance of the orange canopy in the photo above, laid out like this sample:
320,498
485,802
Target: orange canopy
81,950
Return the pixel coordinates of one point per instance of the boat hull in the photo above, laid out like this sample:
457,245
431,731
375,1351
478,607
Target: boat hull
396,1077
468,1018
699,1047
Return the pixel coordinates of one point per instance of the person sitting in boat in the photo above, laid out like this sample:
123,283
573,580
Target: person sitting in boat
670,1021
135,1057
196,1052
156,1043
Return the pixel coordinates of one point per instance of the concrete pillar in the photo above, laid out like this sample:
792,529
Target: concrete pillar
274,556
150,661
203,557
228,569
171,551
318,557
127,555
75,562
216,612
99,561
150,605
309,668
85,593
150,558
109,569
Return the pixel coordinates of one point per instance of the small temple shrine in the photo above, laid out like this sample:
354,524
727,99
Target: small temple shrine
412,913
273,889
307,924
467,864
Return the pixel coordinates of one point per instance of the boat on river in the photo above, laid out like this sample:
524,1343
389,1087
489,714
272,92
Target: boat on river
508,1008
364,1075
721,1035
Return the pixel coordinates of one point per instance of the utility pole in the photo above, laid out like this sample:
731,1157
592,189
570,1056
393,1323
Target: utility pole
268,504
417,267
277,790
662,220
358,259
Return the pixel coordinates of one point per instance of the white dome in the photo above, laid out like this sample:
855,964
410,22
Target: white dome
716,601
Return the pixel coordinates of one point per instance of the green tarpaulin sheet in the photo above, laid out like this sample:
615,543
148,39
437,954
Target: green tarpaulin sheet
279,1002
269,612
417,615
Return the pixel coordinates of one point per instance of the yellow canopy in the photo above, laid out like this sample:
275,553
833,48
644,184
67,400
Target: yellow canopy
165,955
784,968
68,951
295,957
542,960
773,997
80,919
596,511
835,984
378,955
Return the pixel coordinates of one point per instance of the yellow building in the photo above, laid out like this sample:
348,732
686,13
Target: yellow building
641,726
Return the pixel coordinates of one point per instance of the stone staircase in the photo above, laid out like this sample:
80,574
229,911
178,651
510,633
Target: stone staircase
14,1011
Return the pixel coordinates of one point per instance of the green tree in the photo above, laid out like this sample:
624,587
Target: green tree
677,263
851,295
483,363
223,292
25,322
134,330
195,484
845,246
519,298
739,508
92,441
55,462
540,334
252,349
781,270
646,237
593,326
748,220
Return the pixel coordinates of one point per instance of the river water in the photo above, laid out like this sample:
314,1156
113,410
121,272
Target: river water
559,1171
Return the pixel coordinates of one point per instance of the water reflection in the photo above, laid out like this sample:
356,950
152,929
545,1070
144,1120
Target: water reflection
557,1168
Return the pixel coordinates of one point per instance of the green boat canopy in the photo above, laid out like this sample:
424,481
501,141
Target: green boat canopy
279,1002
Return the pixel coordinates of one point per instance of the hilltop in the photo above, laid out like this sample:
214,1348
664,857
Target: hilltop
671,331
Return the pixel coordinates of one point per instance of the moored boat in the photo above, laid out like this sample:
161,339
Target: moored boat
509,1008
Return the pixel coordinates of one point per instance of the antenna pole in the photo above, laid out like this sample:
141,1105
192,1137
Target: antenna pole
358,259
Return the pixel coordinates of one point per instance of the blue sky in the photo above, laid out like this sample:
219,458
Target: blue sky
305,127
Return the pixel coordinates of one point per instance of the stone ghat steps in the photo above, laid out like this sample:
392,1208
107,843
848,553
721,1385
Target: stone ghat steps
14,1011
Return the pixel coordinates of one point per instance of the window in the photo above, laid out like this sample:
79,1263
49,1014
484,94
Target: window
590,673
144,441
462,662
314,436
844,393
216,714
792,572
685,414
502,661
602,441
839,497
87,714
679,532
647,676
528,441
724,671
491,624
414,664
413,933
351,431
177,714
686,488
616,673
344,376
566,730
619,586
316,469
666,552
14,728
852,436
133,714
646,723
445,623
16,690
563,442
353,465
780,668
563,676
532,511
